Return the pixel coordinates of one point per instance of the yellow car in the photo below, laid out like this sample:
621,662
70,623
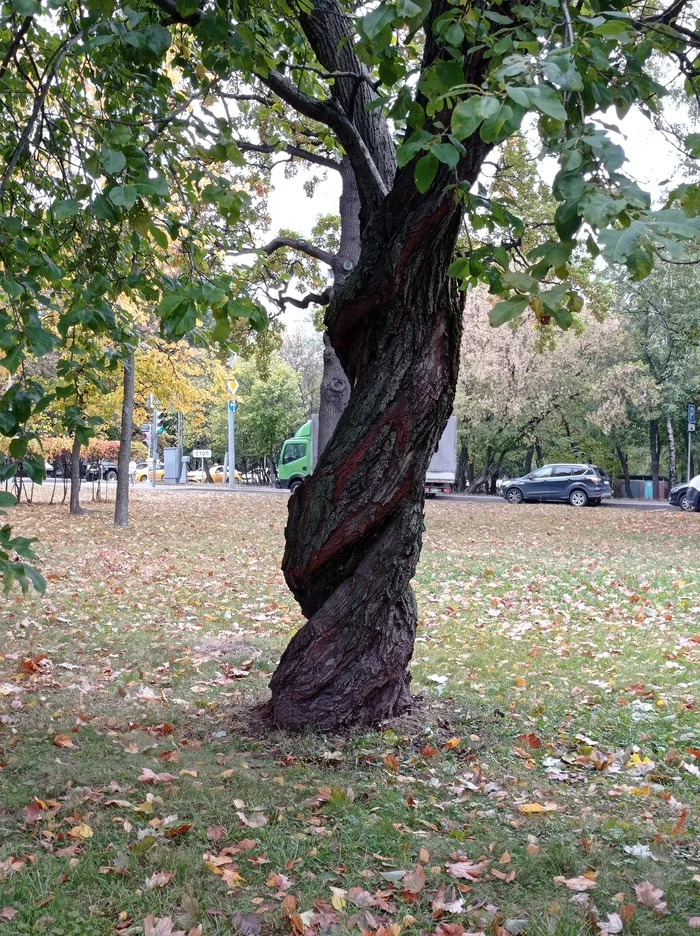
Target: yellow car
144,473
198,476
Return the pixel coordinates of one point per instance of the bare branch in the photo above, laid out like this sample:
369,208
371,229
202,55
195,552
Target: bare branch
15,44
321,299
356,76
310,250
245,147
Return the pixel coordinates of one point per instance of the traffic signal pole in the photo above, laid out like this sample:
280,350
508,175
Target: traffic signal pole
154,452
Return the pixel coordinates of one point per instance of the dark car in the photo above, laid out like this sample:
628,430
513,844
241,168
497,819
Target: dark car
680,496
577,485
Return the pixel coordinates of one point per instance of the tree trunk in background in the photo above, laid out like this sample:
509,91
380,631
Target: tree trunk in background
625,469
354,532
538,453
655,451
527,462
75,477
672,470
462,462
335,387
477,482
121,502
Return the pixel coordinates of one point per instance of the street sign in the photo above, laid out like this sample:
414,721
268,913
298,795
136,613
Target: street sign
691,427
145,427
691,413
232,386
201,453
232,405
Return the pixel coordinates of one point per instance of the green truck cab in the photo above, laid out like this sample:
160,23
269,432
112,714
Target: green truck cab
298,456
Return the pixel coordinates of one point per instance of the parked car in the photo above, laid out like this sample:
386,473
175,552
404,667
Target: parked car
144,472
678,497
88,471
199,476
579,485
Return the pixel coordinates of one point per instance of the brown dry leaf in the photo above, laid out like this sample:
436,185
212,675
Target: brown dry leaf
446,901
246,924
148,776
467,870
529,809
414,881
231,877
694,922
530,740
424,856
451,744
627,912
64,740
256,821
323,795
392,762
160,879
7,914
81,832
533,849
580,884
507,876
650,897
505,858
215,832
612,925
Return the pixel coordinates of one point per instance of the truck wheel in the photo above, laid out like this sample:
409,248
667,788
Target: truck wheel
111,475
295,485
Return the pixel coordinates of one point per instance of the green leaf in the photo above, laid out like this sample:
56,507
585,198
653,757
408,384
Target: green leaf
509,309
468,114
546,100
113,161
460,268
563,318
65,208
123,195
187,7
692,141
425,171
454,35
7,499
26,7
446,153
18,447
374,22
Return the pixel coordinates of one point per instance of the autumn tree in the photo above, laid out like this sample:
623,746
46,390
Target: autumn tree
136,107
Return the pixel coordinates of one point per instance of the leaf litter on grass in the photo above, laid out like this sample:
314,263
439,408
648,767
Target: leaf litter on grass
557,661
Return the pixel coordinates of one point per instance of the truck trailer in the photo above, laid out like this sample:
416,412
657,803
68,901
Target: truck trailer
300,453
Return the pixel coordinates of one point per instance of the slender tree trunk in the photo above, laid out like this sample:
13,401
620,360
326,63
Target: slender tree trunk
538,453
462,463
121,500
354,532
527,461
335,387
481,478
624,464
654,450
75,477
672,470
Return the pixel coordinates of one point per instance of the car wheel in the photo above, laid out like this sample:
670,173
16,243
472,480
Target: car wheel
295,485
515,496
578,498
685,504
111,476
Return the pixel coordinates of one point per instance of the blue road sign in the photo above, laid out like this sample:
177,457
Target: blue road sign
691,412
232,405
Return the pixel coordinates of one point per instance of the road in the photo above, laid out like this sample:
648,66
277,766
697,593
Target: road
616,504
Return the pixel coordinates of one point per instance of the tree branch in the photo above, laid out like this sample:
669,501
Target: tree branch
245,147
321,299
15,44
294,243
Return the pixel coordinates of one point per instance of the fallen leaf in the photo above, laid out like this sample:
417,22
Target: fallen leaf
215,832
530,740
81,832
650,897
694,922
148,776
446,901
246,924
256,821
414,881
467,870
64,740
160,879
581,883
7,914
612,925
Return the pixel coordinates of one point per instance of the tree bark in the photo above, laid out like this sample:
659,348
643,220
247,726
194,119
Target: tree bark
354,533
655,452
121,501
527,461
75,507
622,458
481,478
335,388
672,470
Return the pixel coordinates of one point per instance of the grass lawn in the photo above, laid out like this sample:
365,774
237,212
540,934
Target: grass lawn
547,782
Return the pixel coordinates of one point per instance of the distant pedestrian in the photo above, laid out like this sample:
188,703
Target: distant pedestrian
132,472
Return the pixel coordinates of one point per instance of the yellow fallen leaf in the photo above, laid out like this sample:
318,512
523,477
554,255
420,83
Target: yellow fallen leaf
81,832
529,808
338,898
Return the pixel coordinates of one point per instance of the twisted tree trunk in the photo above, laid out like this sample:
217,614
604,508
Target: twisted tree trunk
121,499
355,528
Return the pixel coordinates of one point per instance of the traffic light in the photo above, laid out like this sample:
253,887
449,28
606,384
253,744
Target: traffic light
159,427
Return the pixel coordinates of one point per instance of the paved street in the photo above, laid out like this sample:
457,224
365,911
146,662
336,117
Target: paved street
613,504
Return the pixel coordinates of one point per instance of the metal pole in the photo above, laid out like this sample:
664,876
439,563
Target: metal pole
231,447
154,433
690,453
